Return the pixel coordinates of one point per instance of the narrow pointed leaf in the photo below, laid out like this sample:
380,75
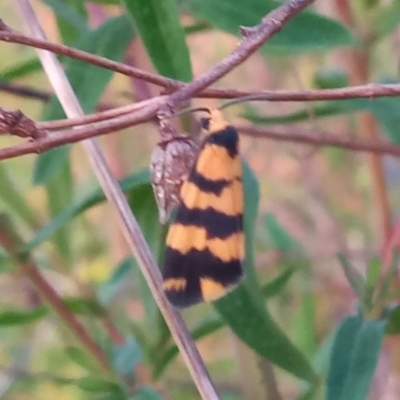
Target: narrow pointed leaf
273,287
356,280
343,345
158,24
17,317
126,356
306,31
355,355
364,360
21,69
79,206
244,310
83,359
14,199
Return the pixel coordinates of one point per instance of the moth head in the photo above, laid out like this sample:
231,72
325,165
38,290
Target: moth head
215,122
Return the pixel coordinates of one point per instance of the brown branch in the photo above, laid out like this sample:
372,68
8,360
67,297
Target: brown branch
363,91
76,135
50,295
25,91
370,91
10,240
17,124
96,117
254,39
325,139
290,135
7,34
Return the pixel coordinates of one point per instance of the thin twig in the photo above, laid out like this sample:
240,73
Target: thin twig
370,91
363,91
96,117
324,139
289,135
8,34
252,41
76,135
25,91
11,242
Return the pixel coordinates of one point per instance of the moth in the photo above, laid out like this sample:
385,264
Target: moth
205,243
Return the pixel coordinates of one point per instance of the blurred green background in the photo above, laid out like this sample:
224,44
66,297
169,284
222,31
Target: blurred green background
305,323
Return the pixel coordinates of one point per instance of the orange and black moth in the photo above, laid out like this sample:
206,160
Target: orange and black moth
205,243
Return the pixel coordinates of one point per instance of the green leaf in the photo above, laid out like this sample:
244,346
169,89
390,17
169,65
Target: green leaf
119,395
20,70
354,277
309,394
146,393
341,354
59,195
106,2
126,356
15,200
304,336
79,206
97,384
68,14
163,357
330,79
4,255
82,358
354,358
322,356
278,235
163,36
364,360
273,287
385,19
393,321
386,112
306,31
244,311
254,325
327,109
107,290
49,163
385,293
143,205
320,362
16,317
110,40
84,306
200,26
373,272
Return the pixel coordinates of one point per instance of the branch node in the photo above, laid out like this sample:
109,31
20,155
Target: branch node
17,124
246,31
4,27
